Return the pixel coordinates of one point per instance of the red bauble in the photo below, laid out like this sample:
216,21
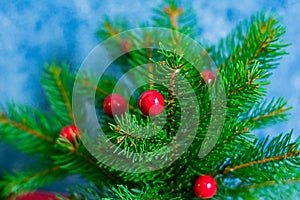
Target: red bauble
70,132
37,195
208,77
115,104
151,103
205,187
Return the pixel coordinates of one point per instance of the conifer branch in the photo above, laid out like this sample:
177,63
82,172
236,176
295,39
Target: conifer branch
245,130
46,171
271,114
229,169
260,48
252,47
56,73
23,127
265,43
12,185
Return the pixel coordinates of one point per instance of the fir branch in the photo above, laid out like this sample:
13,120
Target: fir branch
256,39
276,159
173,14
108,29
37,131
229,169
23,182
233,136
22,127
271,114
111,31
149,57
58,82
56,72
264,113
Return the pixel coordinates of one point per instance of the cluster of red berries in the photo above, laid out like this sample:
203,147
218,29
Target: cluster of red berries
150,103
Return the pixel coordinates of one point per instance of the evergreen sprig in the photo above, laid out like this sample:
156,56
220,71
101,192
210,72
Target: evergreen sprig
36,130
58,83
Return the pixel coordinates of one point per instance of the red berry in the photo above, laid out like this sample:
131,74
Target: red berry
205,187
70,132
37,195
151,103
126,45
208,77
115,104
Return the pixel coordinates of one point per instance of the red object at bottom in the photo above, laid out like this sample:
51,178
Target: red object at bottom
37,195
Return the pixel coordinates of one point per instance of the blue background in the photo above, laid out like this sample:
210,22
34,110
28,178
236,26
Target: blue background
36,32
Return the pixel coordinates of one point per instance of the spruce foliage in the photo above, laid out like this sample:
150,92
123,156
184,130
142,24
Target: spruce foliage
243,165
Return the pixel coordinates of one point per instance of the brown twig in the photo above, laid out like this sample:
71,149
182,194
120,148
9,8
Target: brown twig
110,29
171,95
124,133
229,169
173,14
276,112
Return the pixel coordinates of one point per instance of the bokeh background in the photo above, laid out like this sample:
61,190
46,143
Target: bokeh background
33,33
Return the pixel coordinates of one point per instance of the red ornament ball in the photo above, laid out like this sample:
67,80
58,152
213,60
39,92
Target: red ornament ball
205,187
115,104
70,132
151,103
37,195
208,77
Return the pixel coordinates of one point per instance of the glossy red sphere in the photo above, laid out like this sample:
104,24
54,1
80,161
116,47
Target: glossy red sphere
208,77
70,132
151,103
37,195
205,187
115,104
